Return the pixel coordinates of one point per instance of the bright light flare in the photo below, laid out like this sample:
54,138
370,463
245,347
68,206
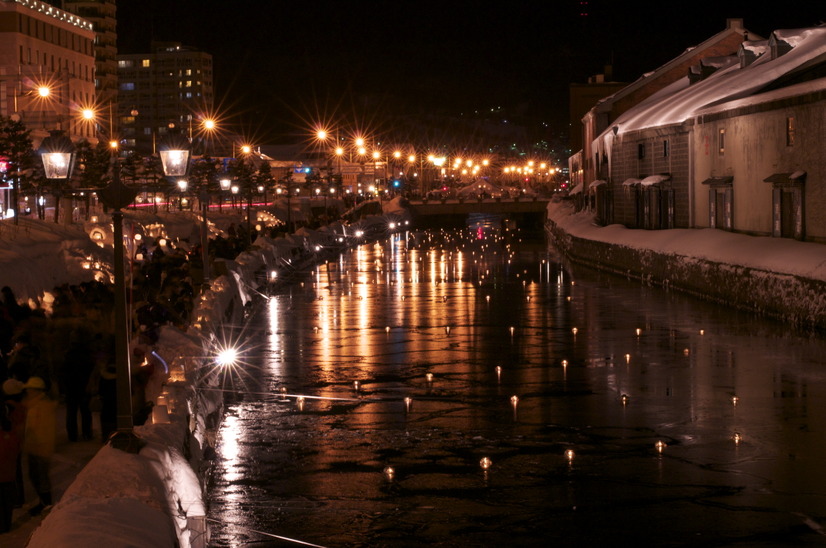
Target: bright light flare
227,357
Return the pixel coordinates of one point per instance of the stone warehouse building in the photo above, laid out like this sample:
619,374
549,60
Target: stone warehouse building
735,143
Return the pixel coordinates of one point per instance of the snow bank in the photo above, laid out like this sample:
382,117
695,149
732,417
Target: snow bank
779,255
153,498
36,256
775,276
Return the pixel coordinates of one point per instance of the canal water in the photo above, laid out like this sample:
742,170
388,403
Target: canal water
472,389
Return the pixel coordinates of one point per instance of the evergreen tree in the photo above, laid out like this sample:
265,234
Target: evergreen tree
93,164
264,178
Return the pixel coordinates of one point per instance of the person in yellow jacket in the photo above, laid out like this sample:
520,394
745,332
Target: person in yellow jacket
39,440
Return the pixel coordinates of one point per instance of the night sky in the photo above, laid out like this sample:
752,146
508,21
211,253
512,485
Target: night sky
281,66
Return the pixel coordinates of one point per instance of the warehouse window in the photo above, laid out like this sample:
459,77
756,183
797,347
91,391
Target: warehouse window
790,131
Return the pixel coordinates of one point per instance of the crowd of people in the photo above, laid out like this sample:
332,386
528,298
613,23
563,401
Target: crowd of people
63,352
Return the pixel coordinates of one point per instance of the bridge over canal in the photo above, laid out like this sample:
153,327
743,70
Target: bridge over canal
523,212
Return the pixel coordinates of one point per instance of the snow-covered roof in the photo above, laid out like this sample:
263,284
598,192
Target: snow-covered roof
733,25
681,101
577,189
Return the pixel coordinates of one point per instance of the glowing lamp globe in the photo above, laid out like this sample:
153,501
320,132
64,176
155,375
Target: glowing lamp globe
58,154
174,152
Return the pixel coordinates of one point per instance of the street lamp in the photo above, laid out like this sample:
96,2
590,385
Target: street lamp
117,196
58,154
339,151
225,183
182,186
208,128
174,152
174,158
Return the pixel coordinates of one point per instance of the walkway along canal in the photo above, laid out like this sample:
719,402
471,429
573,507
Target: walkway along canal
479,391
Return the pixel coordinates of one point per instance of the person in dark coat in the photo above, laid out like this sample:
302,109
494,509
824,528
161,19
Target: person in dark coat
77,369
106,376
16,413
24,358
17,311
10,447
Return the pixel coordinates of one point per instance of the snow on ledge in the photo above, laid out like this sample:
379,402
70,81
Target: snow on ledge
779,255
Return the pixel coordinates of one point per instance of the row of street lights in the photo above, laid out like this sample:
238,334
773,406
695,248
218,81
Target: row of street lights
443,166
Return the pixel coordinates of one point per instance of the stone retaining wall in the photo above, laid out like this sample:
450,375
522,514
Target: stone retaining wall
787,297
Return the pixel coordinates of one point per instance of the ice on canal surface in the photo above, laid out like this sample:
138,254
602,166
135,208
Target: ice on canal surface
448,401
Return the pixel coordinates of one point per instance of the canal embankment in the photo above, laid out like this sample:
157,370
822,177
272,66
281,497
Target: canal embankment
777,277
153,495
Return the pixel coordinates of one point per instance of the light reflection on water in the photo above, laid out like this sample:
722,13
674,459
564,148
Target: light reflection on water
578,457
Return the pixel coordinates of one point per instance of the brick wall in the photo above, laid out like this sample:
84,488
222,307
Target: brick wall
627,164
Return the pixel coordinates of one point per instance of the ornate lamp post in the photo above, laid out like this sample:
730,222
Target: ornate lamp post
117,196
175,152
